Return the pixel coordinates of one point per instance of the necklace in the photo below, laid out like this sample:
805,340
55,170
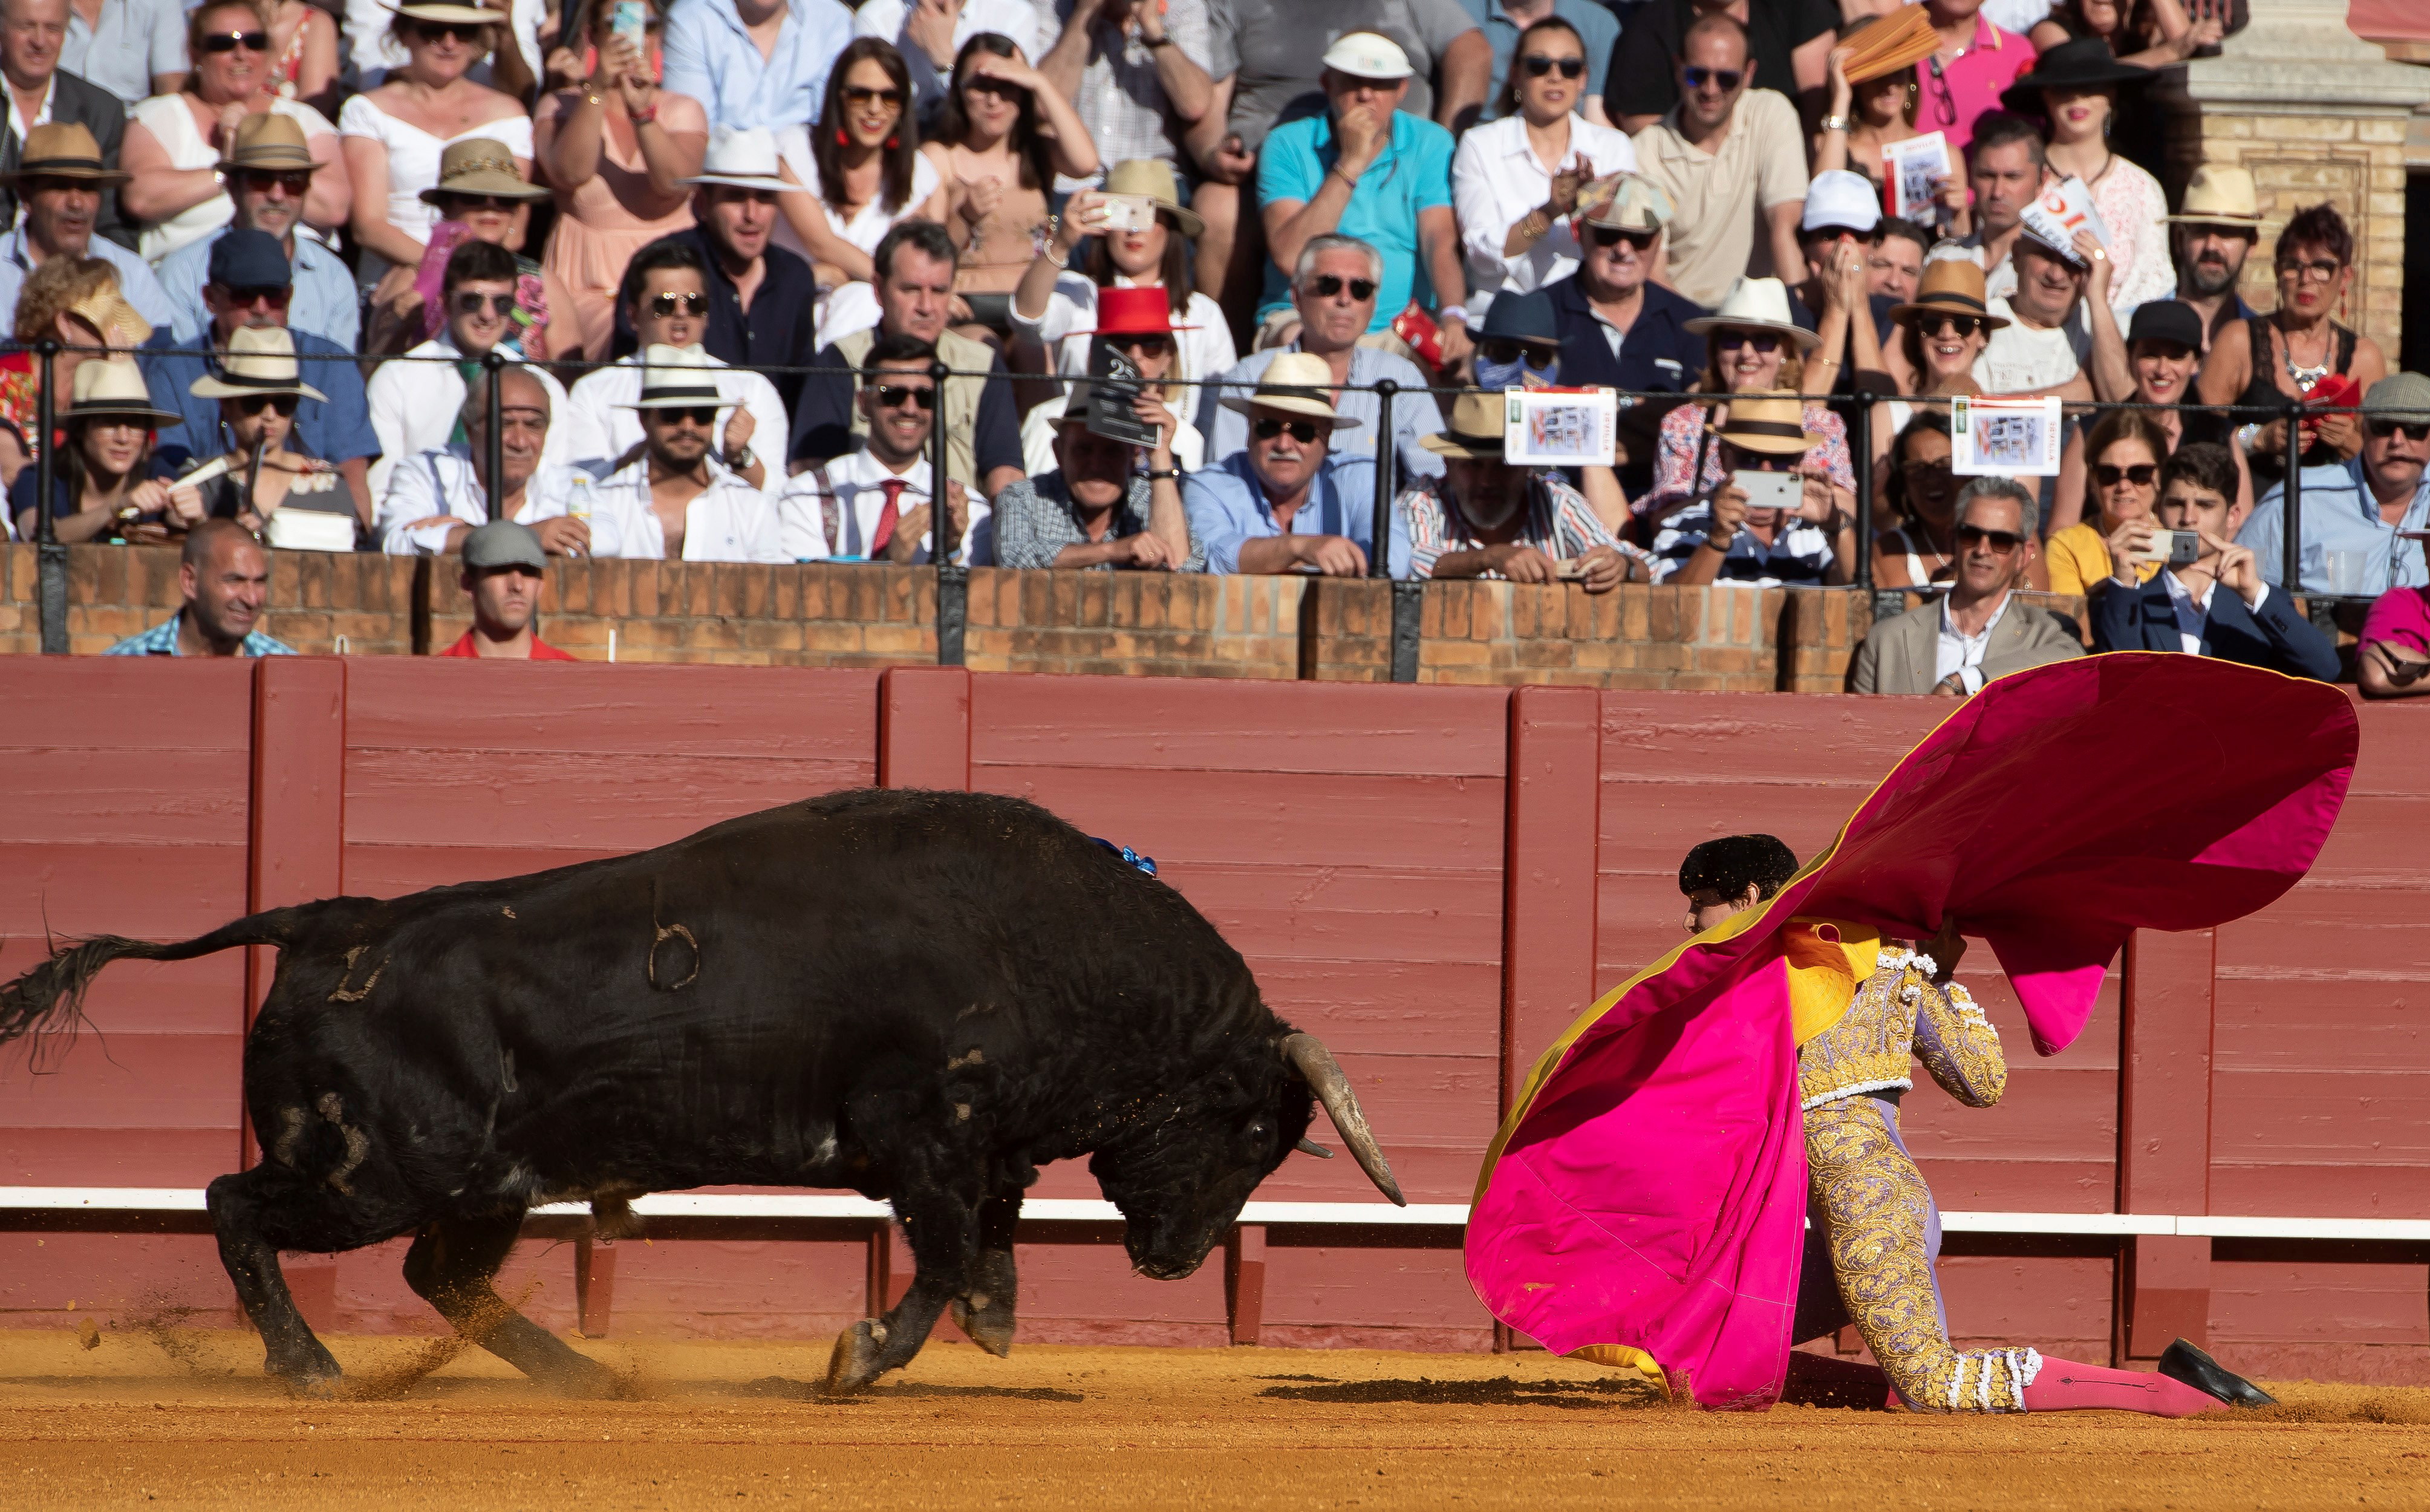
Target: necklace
2307,377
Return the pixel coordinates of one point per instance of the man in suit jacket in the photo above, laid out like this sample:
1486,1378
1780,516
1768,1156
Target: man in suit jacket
1977,632
2181,608
31,34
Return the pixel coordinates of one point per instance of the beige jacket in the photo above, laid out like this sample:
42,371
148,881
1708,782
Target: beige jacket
961,415
1901,656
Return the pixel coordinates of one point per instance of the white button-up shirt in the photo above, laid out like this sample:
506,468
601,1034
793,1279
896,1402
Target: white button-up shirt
2194,613
414,406
430,494
729,522
1962,653
855,482
1496,179
597,429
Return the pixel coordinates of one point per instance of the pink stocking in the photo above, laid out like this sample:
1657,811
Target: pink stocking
2064,1385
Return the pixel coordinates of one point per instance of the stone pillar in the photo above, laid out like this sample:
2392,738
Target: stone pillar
2318,114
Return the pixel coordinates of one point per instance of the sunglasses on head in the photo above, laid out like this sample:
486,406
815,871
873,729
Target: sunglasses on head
262,180
1696,78
1612,236
432,31
895,395
702,415
2002,542
862,94
229,42
472,302
2404,430
1766,343
1538,65
1960,326
1266,428
252,404
1328,284
2138,473
664,304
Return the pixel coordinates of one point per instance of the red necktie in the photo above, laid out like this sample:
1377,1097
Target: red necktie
885,517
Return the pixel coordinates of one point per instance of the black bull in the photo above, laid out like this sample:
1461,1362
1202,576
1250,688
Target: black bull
922,996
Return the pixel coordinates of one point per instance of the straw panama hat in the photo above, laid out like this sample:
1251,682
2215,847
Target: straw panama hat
1952,286
116,320
1153,177
2220,195
1772,422
259,360
1296,383
114,386
1473,432
63,149
678,378
461,15
270,140
480,166
743,159
1758,305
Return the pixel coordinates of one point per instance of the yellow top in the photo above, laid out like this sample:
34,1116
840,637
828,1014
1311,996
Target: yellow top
2079,558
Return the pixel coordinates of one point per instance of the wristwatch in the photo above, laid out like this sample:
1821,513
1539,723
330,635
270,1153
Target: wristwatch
1836,122
740,459
1165,41
1172,472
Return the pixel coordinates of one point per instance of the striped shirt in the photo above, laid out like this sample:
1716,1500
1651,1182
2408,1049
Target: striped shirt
1559,522
1799,555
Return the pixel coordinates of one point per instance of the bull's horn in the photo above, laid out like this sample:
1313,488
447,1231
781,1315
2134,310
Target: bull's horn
1324,1075
1309,1147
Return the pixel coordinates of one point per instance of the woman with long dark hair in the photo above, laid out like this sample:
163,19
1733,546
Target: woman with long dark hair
870,173
1007,133
105,469
1921,549
1056,302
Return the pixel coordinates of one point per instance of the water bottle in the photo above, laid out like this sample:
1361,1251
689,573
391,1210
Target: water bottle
577,498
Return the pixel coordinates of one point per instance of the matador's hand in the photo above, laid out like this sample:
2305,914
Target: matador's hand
1945,948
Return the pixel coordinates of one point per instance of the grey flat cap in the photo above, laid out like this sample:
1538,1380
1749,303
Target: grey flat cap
504,543
2398,396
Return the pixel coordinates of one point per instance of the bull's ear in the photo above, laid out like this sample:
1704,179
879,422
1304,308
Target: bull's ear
1315,1063
1307,1146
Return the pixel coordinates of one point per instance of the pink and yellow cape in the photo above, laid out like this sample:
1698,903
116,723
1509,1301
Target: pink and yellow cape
1644,1201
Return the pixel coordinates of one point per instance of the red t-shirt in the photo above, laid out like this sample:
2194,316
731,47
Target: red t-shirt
540,651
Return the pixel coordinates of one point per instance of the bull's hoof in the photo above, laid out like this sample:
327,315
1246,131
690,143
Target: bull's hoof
857,1359
987,1319
306,1370
587,1381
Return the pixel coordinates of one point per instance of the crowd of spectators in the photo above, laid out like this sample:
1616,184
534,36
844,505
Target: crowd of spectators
1168,251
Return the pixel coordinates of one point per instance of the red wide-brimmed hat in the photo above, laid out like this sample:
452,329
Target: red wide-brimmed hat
1132,310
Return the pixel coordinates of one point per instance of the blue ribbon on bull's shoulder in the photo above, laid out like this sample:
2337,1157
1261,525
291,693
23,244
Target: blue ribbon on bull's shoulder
1145,863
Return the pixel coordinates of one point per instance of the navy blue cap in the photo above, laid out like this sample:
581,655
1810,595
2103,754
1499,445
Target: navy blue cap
248,259
1516,317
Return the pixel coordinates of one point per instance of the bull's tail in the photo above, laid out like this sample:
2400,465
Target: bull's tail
50,998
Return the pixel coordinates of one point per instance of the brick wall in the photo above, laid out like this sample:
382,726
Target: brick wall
1127,624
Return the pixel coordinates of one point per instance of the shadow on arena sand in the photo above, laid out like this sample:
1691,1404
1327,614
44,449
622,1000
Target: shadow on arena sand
171,1416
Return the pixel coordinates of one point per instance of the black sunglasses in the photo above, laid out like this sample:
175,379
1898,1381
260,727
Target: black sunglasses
275,295
1538,65
431,31
262,180
229,42
1765,341
2002,542
1612,236
461,203
895,395
1508,349
2138,473
667,304
252,404
703,415
862,94
1327,284
2404,430
1266,428
472,302
1696,78
1148,341
1960,326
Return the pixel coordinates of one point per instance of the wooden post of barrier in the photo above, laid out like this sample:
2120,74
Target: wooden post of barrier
1244,1282
923,728
2164,1064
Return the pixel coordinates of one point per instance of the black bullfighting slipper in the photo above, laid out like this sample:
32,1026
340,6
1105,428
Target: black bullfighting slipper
2183,1362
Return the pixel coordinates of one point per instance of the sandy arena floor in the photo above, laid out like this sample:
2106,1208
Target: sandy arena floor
186,1419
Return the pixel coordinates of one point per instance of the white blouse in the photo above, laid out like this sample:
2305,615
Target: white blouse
413,157
1496,179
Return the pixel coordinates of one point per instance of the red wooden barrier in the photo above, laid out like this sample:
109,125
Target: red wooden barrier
1434,879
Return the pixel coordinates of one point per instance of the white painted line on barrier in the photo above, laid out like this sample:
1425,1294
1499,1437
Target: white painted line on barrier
23,1201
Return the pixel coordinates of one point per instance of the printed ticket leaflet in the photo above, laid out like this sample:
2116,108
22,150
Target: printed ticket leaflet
1559,427
1917,168
2061,210
2004,437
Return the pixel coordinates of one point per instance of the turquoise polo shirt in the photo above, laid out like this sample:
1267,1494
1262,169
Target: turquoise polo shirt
1412,173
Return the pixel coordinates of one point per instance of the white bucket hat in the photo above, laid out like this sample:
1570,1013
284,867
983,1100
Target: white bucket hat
678,378
1296,383
743,159
1368,54
1756,304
